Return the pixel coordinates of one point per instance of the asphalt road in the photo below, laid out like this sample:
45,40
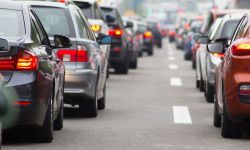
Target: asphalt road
156,107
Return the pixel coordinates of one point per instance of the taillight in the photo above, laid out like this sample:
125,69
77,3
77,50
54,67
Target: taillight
244,90
116,32
147,35
218,55
7,63
241,49
69,55
96,28
26,61
172,33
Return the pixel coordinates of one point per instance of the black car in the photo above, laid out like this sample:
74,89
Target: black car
120,54
30,66
154,26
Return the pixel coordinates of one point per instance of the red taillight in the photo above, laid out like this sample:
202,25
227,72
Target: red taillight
147,35
116,32
244,90
26,61
172,33
23,103
218,55
241,49
61,1
80,55
7,63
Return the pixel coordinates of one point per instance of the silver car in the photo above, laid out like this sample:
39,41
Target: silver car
222,32
85,61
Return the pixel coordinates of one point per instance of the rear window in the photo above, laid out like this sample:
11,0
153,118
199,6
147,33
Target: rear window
12,24
108,11
55,21
86,8
142,28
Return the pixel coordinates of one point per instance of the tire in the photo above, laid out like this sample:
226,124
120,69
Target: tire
217,116
58,124
45,133
159,45
101,104
197,84
209,92
202,85
151,52
133,64
229,129
193,64
122,68
140,53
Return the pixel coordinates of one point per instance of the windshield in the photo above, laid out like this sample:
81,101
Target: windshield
55,21
12,24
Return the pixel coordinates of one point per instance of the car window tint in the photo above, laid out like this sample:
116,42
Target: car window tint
55,21
34,34
240,29
214,28
81,25
227,29
86,8
108,11
12,24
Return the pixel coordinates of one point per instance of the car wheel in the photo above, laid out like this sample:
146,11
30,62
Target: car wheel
122,68
58,124
217,116
202,86
151,52
102,102
45,133
159,45
193,64
89,107
229,129
209,92
140,53
133,64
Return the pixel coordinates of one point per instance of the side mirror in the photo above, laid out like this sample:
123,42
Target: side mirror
225,41
217,47
203,40
4,45
62,41
104,39
129,25
110,19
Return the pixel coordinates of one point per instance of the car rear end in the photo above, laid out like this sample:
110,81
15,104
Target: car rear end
155,29
19,67
237,81
80,75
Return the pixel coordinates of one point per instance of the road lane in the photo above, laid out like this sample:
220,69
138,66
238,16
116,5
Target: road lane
139,114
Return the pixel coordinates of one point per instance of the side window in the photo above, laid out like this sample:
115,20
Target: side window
240,29
41,35
81,26
87,28
119,19
35,35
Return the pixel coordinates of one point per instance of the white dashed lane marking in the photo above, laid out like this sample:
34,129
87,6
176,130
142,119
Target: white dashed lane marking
181,115
173,66
171,58
175,82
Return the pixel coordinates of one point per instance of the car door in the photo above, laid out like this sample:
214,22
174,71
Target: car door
55,64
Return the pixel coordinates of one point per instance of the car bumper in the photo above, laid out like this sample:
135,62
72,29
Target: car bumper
80,83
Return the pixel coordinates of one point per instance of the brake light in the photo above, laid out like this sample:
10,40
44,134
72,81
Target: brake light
147,35
79,55
218,55
116,32
7,63
172,33
26,61
61,1
244,90
96,27
241,49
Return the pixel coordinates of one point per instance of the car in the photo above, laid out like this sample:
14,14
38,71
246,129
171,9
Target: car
145,36
201,51
194,27
93,13
85,61
133,43
156,31
120,52
222,32
231,107
29,65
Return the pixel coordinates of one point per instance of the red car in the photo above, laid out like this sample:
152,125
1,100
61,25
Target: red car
232,82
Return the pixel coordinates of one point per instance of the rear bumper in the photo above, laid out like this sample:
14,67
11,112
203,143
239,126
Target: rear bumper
80,84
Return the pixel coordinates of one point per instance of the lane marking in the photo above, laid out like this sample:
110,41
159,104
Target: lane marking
175,82
170,53
181,115
171,58
173,66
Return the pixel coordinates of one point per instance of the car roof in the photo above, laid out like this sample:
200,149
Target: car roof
43,3
88,1
11,5
218,12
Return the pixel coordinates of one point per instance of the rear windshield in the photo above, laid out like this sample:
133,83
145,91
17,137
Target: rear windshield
12,24
142,28
86,8
55,21
108,11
